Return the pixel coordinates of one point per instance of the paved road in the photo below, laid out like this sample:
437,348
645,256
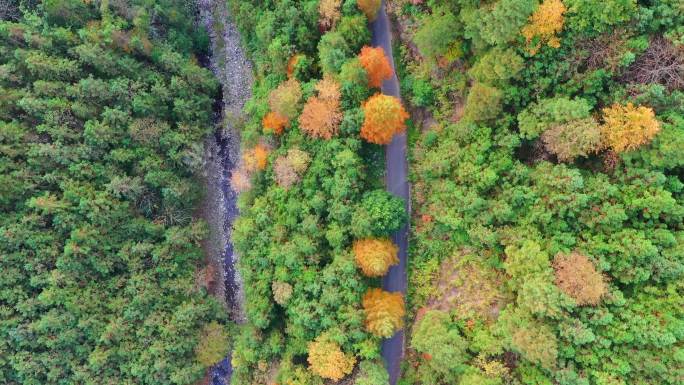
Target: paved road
396,181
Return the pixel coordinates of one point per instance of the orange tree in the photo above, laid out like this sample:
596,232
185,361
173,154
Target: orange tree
384,312
376,64
275,123
384,116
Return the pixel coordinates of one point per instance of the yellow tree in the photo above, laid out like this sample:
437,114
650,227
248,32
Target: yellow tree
544,24
577,277
284,100
376,64
369,8
384,312
627,127
384,116
375,256
327,359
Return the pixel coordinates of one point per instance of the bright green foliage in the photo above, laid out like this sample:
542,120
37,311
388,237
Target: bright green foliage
372,373
441,343
100,137
500,23
436,34
589,17
378,215
497,66
540,116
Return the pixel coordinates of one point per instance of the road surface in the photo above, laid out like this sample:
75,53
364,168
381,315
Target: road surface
396,180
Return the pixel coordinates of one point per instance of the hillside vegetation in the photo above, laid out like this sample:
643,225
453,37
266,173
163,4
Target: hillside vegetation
547,241
103,111
315,218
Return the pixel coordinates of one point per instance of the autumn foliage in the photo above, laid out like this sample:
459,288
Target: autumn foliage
322,115
240,180
627,127
288,169
369,8
284,100
575,138
384,117
255,158
329,11
375,256
384,312
577,277
327,359
274,123
544,24
376,64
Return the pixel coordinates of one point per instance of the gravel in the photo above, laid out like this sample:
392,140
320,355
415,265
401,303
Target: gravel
230,65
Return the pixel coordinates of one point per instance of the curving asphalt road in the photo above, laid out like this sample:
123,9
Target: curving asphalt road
396,180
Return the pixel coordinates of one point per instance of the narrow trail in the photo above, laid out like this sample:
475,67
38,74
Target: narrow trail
231,67
396,180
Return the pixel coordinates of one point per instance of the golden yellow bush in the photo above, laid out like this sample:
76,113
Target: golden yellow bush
627,127
544,24
375,256
327,359
384,312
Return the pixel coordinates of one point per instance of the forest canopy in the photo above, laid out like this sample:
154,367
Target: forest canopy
102,117
547,223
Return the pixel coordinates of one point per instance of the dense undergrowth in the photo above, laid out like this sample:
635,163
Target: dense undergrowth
547,241
103,111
